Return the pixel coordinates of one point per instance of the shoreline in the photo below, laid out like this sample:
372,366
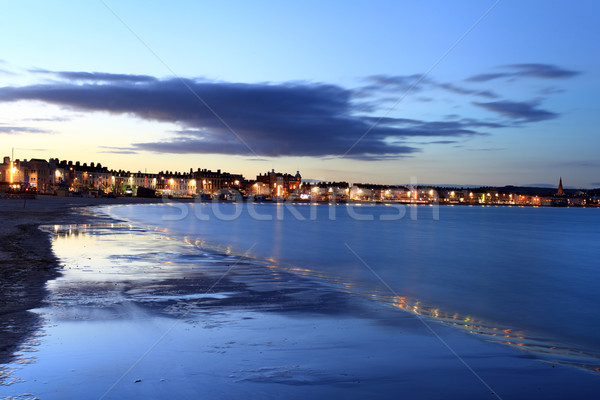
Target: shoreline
27,260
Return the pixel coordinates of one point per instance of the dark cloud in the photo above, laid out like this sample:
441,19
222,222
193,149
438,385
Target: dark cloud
487,77
518,111
98,77
413,127
481,124
595,184
464,91
17,130
414,83
288,119
546,71
542,71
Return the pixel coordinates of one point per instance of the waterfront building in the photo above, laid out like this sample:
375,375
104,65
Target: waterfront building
361,192
318,192
81,178
281,185
60,177
175,184
11,174
128,183
211,182
338,191
260,189
38,175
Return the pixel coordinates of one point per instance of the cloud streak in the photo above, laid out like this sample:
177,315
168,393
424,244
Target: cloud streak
117,150
95,77
519,111
17,130
404,83
49,119
515,71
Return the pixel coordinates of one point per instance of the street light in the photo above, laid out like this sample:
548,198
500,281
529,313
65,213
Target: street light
13,170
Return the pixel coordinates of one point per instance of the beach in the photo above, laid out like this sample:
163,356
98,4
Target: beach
27,260
130,312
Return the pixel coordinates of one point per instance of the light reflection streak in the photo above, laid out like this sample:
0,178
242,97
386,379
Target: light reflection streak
508,336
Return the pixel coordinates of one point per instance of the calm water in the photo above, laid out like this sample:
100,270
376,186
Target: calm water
526,276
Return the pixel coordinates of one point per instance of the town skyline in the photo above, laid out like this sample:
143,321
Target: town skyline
167,170
65,178
501,93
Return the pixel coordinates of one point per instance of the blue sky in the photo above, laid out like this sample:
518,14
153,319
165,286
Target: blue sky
447,92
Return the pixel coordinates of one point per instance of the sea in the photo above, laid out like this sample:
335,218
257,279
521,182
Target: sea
532,270
271,300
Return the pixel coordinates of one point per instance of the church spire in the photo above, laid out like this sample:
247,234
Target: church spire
560,192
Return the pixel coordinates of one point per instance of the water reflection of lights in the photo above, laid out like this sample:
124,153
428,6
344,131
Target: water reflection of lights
544,348
82,229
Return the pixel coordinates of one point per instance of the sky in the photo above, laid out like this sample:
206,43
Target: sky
456,93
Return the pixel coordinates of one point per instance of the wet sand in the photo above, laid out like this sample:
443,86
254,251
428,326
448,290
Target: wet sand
27,261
